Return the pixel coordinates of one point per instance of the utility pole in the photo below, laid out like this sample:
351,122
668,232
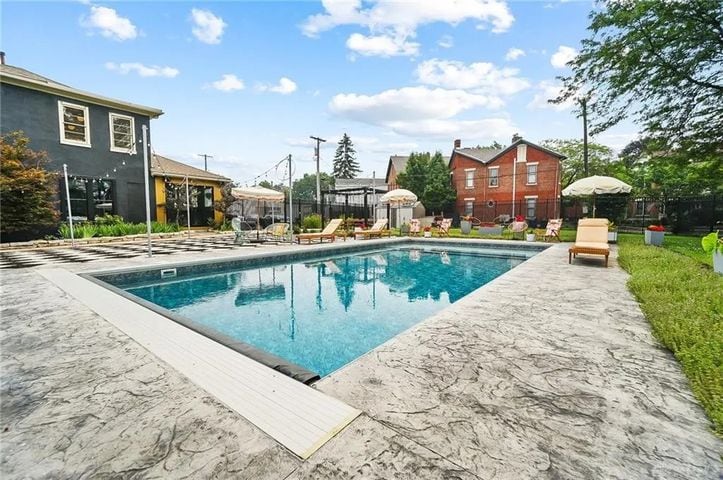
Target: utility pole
318,182
205,160
583,104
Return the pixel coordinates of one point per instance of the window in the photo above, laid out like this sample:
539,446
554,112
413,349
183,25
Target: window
74,124
122,133
494,177
469,178
469,207
89,198
531,207
532,174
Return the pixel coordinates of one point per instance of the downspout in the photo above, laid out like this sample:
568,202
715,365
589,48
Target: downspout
514,184
557,185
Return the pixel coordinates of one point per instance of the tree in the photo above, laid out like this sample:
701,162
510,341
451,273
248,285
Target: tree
305,187
659,62
600,159
27,190
414,176
273,186
345,164
438,193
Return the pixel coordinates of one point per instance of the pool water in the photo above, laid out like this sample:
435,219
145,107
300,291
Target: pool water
322,314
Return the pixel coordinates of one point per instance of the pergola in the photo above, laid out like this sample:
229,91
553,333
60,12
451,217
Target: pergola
351,191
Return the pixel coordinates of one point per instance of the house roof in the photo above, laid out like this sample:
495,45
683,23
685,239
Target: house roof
24,78
400,164
488,155
165,167
358,182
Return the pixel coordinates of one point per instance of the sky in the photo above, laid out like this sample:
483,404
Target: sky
249,82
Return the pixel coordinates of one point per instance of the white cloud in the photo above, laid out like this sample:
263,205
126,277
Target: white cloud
284,87
392,23
228,83
548,90
514,54
487,128
446,41
483,77
208,28
563,55
616,141
110,24
142,70
381,45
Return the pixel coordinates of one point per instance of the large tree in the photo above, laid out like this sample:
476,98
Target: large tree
305,187
345,164
438,194
27,190
658,62
600,159
414,176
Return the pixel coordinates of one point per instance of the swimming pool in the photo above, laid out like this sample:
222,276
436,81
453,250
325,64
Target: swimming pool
321,313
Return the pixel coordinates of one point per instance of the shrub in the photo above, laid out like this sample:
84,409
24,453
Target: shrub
311,221
108,219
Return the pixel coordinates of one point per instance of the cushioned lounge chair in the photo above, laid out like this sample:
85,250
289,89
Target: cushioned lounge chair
591,239
328,233
377,230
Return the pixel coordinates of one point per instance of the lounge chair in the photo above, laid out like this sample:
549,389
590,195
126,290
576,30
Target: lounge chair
327,233
377,230
591,239
444,227
414,227
554,225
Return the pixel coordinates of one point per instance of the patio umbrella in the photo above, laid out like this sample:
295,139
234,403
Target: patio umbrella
398,197
596,185
258,194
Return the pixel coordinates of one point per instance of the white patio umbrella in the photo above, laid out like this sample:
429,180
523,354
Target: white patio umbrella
596,185
258,194
398,197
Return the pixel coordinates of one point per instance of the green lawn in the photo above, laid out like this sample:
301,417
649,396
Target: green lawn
682,298
689,246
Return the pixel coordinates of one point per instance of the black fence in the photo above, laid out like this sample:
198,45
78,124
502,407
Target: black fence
300,209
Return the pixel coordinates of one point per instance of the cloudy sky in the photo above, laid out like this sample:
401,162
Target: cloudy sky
248,82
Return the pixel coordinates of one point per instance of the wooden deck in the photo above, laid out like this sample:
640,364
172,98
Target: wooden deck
297,416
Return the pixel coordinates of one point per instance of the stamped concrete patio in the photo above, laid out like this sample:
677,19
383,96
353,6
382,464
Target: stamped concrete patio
550,371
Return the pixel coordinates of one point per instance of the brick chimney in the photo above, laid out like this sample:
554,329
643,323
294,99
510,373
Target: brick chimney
458,143
2,58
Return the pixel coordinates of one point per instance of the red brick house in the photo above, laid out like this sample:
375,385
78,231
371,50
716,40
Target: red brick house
397,164
521,179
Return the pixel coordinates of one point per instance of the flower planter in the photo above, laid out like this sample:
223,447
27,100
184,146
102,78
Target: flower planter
530,237
718,262
654,238
613,237
465,226
490,230
427,234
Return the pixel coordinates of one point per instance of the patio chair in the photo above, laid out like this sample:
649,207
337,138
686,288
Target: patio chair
444,225
240,233
414,227
552,230
377,230
591,239
328,233
276,231
517,227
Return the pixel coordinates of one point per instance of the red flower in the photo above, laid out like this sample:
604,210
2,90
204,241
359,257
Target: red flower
427,229
519,218
656,228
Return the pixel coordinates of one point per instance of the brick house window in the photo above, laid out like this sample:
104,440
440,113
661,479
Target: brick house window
122,133
531,174
531,207
74,124
494,177
469,178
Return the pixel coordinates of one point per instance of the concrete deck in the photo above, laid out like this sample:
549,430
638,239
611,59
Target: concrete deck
547,372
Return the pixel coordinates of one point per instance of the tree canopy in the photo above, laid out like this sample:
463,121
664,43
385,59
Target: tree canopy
658,62
304,188
427,177
599,160
345,164
27,190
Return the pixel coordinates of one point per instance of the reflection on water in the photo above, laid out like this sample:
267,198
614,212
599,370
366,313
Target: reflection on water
323,314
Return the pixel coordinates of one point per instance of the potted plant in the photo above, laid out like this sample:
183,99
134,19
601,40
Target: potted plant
530,235
654,235
612,233
712,244
427,231
465,224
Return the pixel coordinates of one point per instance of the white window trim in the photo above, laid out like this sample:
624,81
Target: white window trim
466,178
113,148
469,199
61,124
530,196
527,179
489,177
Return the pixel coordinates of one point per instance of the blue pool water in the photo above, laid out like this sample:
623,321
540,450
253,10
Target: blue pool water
322,314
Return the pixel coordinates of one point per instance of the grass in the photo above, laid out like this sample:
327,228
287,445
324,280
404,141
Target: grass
89,229
683,301
689,246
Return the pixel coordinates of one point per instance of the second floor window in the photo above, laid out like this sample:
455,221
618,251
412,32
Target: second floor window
532,174
494,177
122,133
469,179
74,124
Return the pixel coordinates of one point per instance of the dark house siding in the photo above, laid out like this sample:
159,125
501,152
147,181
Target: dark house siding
36,114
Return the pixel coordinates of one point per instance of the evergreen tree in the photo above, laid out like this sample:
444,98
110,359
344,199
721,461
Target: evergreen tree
414,176
345,164
439,194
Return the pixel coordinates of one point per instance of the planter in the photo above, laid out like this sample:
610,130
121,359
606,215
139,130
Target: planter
530,237
427,234
613,237
490,230
718,262
654,238
465,226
